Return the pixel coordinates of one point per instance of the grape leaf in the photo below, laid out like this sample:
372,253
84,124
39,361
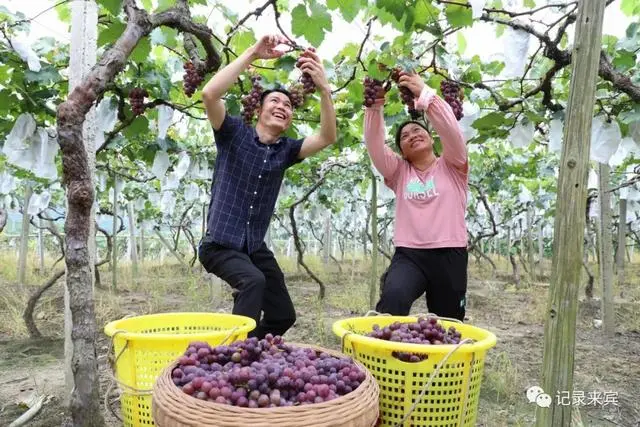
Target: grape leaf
64,12
156,80
395,7
111,33
630,116
425,13
165,4
243,40
312,27
7,100
138,126
113,6
47,74
462,43
286,63
348,9
142,50
630,7
490,121
624,60
459,16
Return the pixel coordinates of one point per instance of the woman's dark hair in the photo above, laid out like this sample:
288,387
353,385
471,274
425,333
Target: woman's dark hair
399,131
279,89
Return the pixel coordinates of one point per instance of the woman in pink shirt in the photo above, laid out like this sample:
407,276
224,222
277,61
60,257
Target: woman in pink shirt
430,236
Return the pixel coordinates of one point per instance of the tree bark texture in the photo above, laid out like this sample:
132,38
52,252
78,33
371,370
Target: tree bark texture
84,403
3,219
568,245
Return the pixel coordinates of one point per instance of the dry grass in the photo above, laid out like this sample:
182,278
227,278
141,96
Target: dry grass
515,315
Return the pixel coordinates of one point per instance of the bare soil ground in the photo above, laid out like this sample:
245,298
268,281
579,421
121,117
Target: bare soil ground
603,364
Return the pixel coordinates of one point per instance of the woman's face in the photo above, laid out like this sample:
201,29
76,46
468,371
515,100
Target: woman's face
415,141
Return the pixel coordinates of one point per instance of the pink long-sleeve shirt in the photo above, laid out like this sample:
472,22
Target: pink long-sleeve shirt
430,204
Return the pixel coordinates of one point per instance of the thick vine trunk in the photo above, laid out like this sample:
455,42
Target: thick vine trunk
560,326
24,237
484,256
167,245
588,290
516,272
27,315
326,241
41,247
3,219
85,404
606,251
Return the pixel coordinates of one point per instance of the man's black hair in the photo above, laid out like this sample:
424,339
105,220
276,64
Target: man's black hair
278,89
399,131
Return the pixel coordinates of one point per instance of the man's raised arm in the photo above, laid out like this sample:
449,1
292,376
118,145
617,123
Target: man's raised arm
220,83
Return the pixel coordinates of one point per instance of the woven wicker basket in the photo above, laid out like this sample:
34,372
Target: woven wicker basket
173,408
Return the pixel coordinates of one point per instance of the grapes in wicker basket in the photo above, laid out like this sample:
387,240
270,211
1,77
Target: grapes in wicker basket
425,331
264,373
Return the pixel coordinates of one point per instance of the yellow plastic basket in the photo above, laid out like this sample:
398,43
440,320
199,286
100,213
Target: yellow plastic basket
451,399
144,345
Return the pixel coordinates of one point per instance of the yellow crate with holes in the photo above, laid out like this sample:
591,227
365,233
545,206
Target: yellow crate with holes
439,391
144,345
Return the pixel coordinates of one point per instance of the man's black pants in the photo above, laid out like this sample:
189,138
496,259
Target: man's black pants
440,273
258,285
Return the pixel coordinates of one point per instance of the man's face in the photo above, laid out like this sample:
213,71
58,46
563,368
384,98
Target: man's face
276,111
415,141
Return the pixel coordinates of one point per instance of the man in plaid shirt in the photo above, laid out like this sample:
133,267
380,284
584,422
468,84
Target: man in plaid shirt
249,169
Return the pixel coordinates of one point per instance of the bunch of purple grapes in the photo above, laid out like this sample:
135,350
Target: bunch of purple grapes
405,94
136,99
297,95
452,94
372,88
251,102
307,82
424,331
264,373
191,78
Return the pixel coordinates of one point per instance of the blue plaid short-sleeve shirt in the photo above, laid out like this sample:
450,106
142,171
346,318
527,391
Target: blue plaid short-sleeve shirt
246,182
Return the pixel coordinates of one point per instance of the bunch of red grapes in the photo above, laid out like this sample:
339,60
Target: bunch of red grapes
192,78
264,373
136,99
251,102
453,95
308,85
372,88
423,331
405,94
297,95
